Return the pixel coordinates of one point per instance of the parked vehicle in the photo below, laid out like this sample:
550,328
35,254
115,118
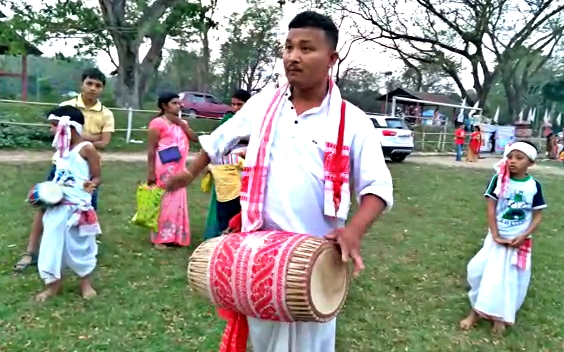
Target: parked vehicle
396,136
203,105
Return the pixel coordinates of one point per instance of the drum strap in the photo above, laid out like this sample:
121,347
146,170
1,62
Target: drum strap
236,331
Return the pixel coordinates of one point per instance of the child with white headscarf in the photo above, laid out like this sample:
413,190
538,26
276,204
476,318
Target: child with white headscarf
70,227
499,274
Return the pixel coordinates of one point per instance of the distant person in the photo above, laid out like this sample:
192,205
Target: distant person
548,142
98,129
553,147
459,136
167,151
213,227
474,145
238,99
492,142
546,128
500,273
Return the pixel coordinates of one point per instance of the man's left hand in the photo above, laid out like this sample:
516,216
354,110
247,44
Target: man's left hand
349,241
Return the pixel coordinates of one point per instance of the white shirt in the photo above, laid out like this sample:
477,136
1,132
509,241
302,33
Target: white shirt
295,181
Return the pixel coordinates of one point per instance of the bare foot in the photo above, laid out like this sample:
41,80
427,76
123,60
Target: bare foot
51,290
86,289
498,327
160,247
470,321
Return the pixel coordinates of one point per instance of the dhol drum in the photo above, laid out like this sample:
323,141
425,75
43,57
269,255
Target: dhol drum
45,194
271,275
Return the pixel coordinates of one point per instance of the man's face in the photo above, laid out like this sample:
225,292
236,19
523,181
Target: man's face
237,104
92,88
307,57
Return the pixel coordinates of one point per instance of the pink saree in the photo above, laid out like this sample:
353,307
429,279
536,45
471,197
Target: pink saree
174,223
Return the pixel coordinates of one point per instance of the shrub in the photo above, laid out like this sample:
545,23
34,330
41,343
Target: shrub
16,137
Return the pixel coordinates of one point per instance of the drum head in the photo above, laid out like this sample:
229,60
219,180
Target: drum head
329,281
50,192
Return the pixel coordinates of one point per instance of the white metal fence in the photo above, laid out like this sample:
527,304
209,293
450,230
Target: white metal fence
8,107
426,138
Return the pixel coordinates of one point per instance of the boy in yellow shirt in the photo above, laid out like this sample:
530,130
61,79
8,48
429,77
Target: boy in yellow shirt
227,179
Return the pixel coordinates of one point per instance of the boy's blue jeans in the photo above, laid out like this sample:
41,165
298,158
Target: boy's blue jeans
458,152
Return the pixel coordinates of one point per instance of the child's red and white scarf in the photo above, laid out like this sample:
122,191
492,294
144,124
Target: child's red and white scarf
62,138
336,161
522,258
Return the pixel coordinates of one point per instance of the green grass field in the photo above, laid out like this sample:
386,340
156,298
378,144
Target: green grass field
410,298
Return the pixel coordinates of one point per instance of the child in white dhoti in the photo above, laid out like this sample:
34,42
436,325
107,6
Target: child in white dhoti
499,274
70,228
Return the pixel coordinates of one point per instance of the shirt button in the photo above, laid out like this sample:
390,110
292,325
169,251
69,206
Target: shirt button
296,122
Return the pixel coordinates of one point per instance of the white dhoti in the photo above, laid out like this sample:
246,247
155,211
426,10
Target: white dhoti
270,336
498,287
66,242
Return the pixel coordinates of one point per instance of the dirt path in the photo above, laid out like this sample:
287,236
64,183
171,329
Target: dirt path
547,167
24,156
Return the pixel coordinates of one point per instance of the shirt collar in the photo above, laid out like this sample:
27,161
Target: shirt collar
324,104
80,104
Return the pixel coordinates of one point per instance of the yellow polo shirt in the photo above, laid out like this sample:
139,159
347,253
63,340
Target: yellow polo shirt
97,119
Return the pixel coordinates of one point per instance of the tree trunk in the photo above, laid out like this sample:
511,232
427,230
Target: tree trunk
127,91
134,77
150,65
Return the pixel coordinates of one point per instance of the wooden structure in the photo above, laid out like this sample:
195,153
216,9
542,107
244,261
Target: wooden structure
28,49
411,94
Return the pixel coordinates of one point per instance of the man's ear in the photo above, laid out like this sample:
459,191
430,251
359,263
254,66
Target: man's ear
333,59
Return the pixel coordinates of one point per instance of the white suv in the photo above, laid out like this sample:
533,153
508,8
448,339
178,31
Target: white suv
395,136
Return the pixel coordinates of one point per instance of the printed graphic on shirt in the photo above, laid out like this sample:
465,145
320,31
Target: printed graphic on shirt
516,205
65,178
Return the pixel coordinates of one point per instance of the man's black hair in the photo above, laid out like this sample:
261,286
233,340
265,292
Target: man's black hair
242,95
311,19
94,73
68,110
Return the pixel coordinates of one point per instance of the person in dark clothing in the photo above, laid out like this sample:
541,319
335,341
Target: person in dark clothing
492,143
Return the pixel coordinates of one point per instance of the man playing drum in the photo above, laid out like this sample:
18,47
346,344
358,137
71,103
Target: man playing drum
299,160
98,129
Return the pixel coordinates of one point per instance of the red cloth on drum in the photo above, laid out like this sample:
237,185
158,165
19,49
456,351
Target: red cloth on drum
236,331
235,223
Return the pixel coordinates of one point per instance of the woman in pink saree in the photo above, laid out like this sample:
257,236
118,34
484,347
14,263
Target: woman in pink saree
168,146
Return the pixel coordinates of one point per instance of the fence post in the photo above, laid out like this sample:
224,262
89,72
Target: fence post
129,124
423,141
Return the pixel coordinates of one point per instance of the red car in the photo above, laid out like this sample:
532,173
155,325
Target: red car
203,105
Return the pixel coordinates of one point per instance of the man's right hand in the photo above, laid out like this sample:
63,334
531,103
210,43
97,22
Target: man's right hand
178,181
